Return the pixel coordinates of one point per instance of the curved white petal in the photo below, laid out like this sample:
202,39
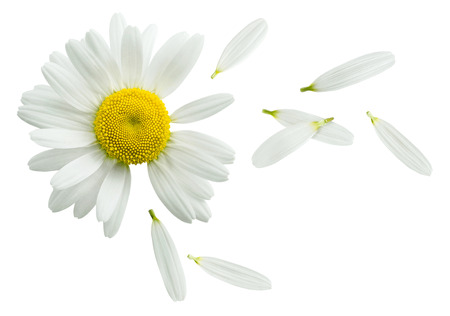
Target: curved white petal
330,133
110,193
161,59
69,87
148,41
42,117
198,163
202,108
169,191
78,170
205,143
132,57
45,96
111,227
353,71
242,45
116,28
169,264
233,273
179,67
62,138
401,147
283,143
96,76
201,209
55,159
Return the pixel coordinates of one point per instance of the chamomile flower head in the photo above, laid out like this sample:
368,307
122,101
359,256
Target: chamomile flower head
103,111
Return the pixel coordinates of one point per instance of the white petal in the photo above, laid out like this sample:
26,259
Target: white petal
201,209
132,57
116,28
330,133
352,72
148,40
96,76
179,67
283,143
62,138
111,227
110,193
198,163
69,87
242,45
45,96
205,143
202,108
61,199
34,115
55,159
169,191
161,59
169,264
232,273
401,147
78,170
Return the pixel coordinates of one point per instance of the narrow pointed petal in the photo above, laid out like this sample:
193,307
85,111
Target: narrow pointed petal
179,67
161,59
283,143
148,41
352,72
62,138
132,57
78,170
169,263
233,273
116,28
242,45
202,108
401,147
330,133
111,227
110,193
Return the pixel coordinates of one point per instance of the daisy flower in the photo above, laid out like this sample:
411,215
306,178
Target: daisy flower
102,111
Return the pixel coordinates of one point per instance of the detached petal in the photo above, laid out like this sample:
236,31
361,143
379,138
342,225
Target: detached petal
169,264
352,72
232,273
285,142
202,108
330,133
242,45
401,147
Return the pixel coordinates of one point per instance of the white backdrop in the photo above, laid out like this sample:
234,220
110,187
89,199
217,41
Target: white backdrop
338,230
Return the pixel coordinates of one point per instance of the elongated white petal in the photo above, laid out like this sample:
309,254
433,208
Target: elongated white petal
111,227
352,72
169,263
242,45
179,67
283,143
169,191
201,209
330,133
132,57
401,147
233,273
78,170
202,108
55,159
161,59
34,115
110,193
62,138
148,40
116,28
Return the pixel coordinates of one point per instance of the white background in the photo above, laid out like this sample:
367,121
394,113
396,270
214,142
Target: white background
338,230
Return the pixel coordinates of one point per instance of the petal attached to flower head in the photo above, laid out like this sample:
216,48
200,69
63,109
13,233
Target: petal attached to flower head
352,72
132,57
116,28
285,142
232,273
202,108
242,45
401,147
148,40
55,159
168,260
330,133
62,138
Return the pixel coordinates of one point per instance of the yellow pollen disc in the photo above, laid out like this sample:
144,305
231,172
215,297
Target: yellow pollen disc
132,125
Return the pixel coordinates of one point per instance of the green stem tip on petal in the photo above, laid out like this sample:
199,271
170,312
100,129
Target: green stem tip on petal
308,88
215,74
273,113
372,118
196,259
152,214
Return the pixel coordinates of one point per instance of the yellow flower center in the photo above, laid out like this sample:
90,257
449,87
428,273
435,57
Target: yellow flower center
132,126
